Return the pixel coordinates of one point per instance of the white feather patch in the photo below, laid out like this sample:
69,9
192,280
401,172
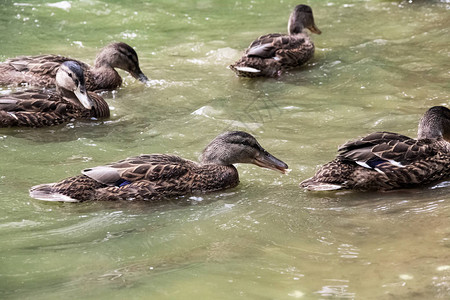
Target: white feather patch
8,101
363,164
48,195
324,187
395,163
379,171
248,69
13,115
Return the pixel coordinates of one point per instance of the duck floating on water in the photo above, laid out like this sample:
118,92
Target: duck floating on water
156,176
385,161
273,53
41,70
38,108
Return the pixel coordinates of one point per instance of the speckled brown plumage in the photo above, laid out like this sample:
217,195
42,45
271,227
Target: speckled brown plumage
271,54
159,176
386,160
41,70
151,177
37,108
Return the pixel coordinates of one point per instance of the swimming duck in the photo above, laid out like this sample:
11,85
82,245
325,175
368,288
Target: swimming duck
273,53
37,108
156,176
41,70
384,160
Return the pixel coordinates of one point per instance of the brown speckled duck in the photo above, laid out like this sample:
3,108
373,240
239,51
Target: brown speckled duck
157,176
385,161
41,70
38,108
273,53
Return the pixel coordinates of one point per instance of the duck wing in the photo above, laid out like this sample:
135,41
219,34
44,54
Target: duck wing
37,70
385,147
35,108
40,64
32,100
292,49
265,46
156,168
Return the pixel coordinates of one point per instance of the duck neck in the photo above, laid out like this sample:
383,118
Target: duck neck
216,177
432,126
294,28
104,78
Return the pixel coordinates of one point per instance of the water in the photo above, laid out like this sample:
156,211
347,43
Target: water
378,66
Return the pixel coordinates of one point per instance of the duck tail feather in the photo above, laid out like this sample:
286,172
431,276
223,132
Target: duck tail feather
245,71
319,186
47,192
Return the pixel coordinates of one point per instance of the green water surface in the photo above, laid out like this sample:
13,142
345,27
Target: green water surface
379,65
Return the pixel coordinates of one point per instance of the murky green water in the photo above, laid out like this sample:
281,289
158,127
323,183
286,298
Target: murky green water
378,66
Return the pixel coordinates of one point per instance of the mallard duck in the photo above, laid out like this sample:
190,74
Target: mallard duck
271,54
41,70
384,160
157,176
37,108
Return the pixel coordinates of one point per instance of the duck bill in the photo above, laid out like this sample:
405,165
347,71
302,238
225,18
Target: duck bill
313,28
139,75
83,97
266,160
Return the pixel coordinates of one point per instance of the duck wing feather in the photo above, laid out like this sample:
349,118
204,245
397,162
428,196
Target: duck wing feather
40,64
153,168
37,70
289,48
381,147
37,108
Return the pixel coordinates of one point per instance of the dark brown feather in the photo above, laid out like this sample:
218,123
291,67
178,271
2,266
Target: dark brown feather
38,108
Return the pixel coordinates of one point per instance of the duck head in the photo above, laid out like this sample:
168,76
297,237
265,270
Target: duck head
70,78
301,18
122,56
435,124
240,147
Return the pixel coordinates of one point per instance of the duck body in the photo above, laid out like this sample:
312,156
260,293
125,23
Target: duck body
385,161
158,176
145,177
271,54
38,108
41,70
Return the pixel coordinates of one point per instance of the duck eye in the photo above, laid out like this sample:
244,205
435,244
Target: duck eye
70,75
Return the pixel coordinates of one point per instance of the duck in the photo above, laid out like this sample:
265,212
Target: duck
39,108
41,70
384,161
154,177
271,54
